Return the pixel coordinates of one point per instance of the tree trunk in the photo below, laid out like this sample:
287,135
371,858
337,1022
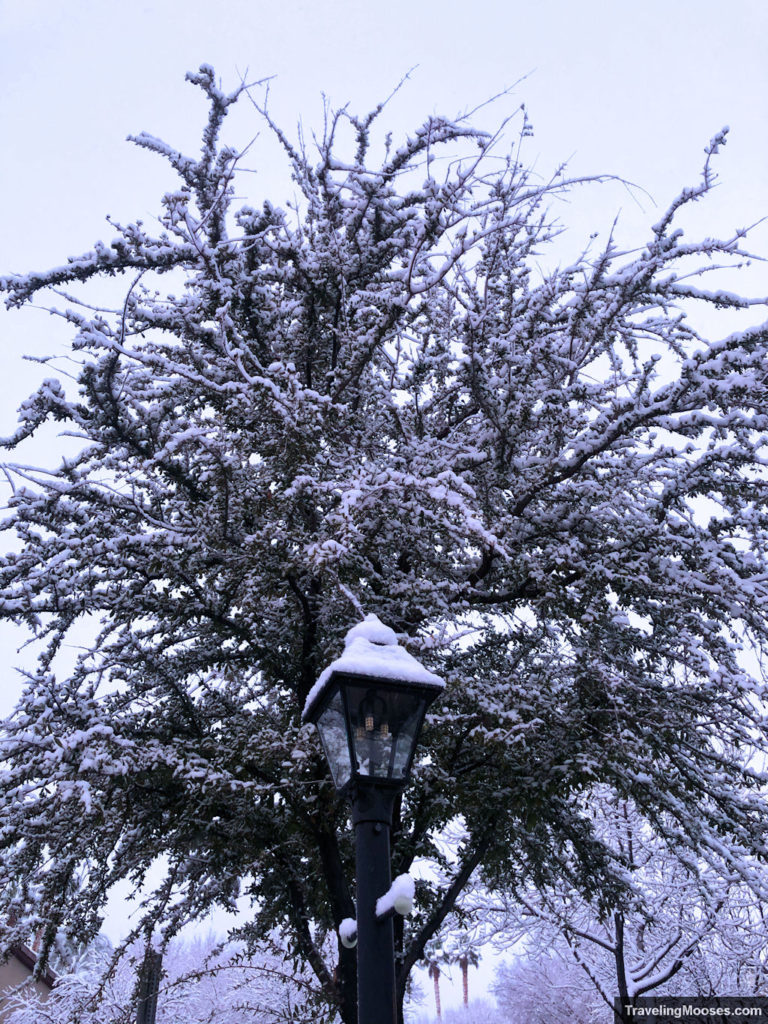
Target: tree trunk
464,964
621,971
346,982
434,971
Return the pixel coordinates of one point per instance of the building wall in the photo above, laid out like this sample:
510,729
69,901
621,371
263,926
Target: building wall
18,971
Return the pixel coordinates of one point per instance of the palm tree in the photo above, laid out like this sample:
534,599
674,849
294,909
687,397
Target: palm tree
434,955
463,953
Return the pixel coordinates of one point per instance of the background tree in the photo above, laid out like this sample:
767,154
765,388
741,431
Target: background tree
203,982
435,957
544,989
685,930
381,399
463,952
478,1012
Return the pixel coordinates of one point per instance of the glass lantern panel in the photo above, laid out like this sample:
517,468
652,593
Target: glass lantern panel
333,732
385,723
405,742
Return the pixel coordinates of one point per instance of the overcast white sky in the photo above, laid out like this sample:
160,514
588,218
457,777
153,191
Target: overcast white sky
631,88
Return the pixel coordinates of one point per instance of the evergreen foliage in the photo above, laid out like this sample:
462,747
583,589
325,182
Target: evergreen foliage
378,401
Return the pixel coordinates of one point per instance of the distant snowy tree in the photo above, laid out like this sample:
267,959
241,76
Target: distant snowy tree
546,989
683,929
201,984
478,1012
379,399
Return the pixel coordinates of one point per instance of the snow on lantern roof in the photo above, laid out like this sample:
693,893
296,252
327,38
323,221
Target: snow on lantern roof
371,649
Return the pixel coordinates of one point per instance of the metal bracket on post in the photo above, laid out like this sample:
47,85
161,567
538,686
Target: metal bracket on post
398,899
348,932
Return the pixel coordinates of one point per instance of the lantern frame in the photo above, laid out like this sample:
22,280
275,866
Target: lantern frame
369,727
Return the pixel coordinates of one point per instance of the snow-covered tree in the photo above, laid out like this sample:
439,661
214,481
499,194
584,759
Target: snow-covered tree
684,928
544,989
380,399
202,983
479,1011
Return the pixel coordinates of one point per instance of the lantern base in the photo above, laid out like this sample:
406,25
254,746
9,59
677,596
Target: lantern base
373,801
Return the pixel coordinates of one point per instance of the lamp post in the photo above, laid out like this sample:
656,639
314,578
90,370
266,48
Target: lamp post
369,708
149,984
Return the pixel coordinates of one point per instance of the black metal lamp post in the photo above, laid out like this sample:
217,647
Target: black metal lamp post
369,708
149,985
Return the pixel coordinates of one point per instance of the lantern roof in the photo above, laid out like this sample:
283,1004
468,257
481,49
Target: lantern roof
371,649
